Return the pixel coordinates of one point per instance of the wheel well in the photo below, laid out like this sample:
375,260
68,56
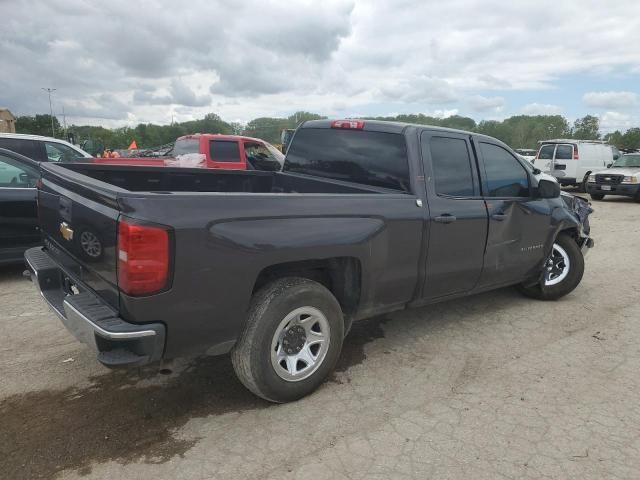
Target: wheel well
341,276
572,232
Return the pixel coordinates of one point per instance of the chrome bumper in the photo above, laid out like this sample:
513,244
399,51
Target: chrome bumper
117,342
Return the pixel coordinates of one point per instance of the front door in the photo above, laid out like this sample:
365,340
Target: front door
458,215
519,225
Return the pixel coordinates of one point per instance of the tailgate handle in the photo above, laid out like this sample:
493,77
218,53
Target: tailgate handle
446,218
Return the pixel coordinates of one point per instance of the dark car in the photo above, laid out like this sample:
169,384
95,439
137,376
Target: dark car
366,218
18,216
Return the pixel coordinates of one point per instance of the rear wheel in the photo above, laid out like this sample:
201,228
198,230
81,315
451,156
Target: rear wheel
596,196
292,340
563,271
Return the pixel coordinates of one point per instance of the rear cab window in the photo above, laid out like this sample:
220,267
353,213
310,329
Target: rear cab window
185,146
376,159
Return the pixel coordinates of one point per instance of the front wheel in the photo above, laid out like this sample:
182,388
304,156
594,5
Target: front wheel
292,340
563,271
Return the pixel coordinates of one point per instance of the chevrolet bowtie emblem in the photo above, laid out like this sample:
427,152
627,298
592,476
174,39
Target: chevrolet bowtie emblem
66,231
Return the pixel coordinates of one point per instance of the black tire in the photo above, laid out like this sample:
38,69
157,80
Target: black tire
596,196
572,280
583,186
251,356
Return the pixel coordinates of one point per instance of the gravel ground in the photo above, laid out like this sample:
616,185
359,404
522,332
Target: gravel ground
492,386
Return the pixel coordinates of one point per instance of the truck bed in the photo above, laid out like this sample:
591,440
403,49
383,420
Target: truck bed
139,178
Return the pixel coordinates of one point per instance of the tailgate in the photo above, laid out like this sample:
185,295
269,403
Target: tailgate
78,217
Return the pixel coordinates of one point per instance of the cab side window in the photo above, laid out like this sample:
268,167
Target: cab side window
260,158
57,152
451,167
224,151
505,176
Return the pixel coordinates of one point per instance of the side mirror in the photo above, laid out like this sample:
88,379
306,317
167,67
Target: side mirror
548,189
609,165
616,156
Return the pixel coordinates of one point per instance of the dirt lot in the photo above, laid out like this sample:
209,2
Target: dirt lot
493,386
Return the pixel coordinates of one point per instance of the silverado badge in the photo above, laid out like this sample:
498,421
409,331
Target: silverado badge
66,231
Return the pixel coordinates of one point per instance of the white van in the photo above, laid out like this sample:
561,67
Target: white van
572,161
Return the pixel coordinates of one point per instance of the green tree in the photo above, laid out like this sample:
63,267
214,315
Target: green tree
631,139
586,128
38,125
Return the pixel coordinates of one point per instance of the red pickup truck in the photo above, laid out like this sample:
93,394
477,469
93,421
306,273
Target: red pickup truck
229,152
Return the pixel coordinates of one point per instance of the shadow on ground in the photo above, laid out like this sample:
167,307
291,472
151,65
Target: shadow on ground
45,432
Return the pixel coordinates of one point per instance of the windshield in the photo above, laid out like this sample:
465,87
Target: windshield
627,161
186,145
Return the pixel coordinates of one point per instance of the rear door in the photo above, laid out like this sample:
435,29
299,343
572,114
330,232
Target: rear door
18,215
226,154
518,223
458,215
564,162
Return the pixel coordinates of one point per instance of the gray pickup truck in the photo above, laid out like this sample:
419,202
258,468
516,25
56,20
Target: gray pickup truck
144,263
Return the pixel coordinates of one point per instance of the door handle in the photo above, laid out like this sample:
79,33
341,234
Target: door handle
499,216
446,218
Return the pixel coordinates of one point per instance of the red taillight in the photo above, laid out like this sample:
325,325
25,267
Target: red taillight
143,258
351,124
575,153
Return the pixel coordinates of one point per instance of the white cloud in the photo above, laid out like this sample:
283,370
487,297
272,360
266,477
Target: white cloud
611,100
610,121
485,104
242,60
541,109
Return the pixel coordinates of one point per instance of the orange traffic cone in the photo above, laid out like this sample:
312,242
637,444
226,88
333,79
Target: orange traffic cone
133,146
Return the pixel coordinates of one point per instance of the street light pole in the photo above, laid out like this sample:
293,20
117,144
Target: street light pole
49,91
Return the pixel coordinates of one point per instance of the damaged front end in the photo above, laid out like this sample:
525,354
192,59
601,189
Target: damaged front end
581,209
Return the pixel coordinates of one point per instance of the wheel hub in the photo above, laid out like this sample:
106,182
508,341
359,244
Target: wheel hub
294,339
557,266
300,344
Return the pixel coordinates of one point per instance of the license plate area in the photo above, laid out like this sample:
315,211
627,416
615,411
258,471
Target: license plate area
606,188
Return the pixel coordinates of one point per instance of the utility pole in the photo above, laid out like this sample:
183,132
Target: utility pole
49,91
64,121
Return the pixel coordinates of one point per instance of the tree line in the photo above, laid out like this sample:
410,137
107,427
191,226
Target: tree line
520,131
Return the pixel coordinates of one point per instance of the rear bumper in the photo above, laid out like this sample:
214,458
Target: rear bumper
620,189
118,343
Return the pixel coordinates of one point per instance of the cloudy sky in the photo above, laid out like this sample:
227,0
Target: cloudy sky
123,62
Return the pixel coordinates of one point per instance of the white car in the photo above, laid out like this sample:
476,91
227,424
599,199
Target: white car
622,178
42,149
572,161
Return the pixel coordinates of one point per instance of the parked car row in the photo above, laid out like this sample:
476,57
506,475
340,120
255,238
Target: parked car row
572,161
